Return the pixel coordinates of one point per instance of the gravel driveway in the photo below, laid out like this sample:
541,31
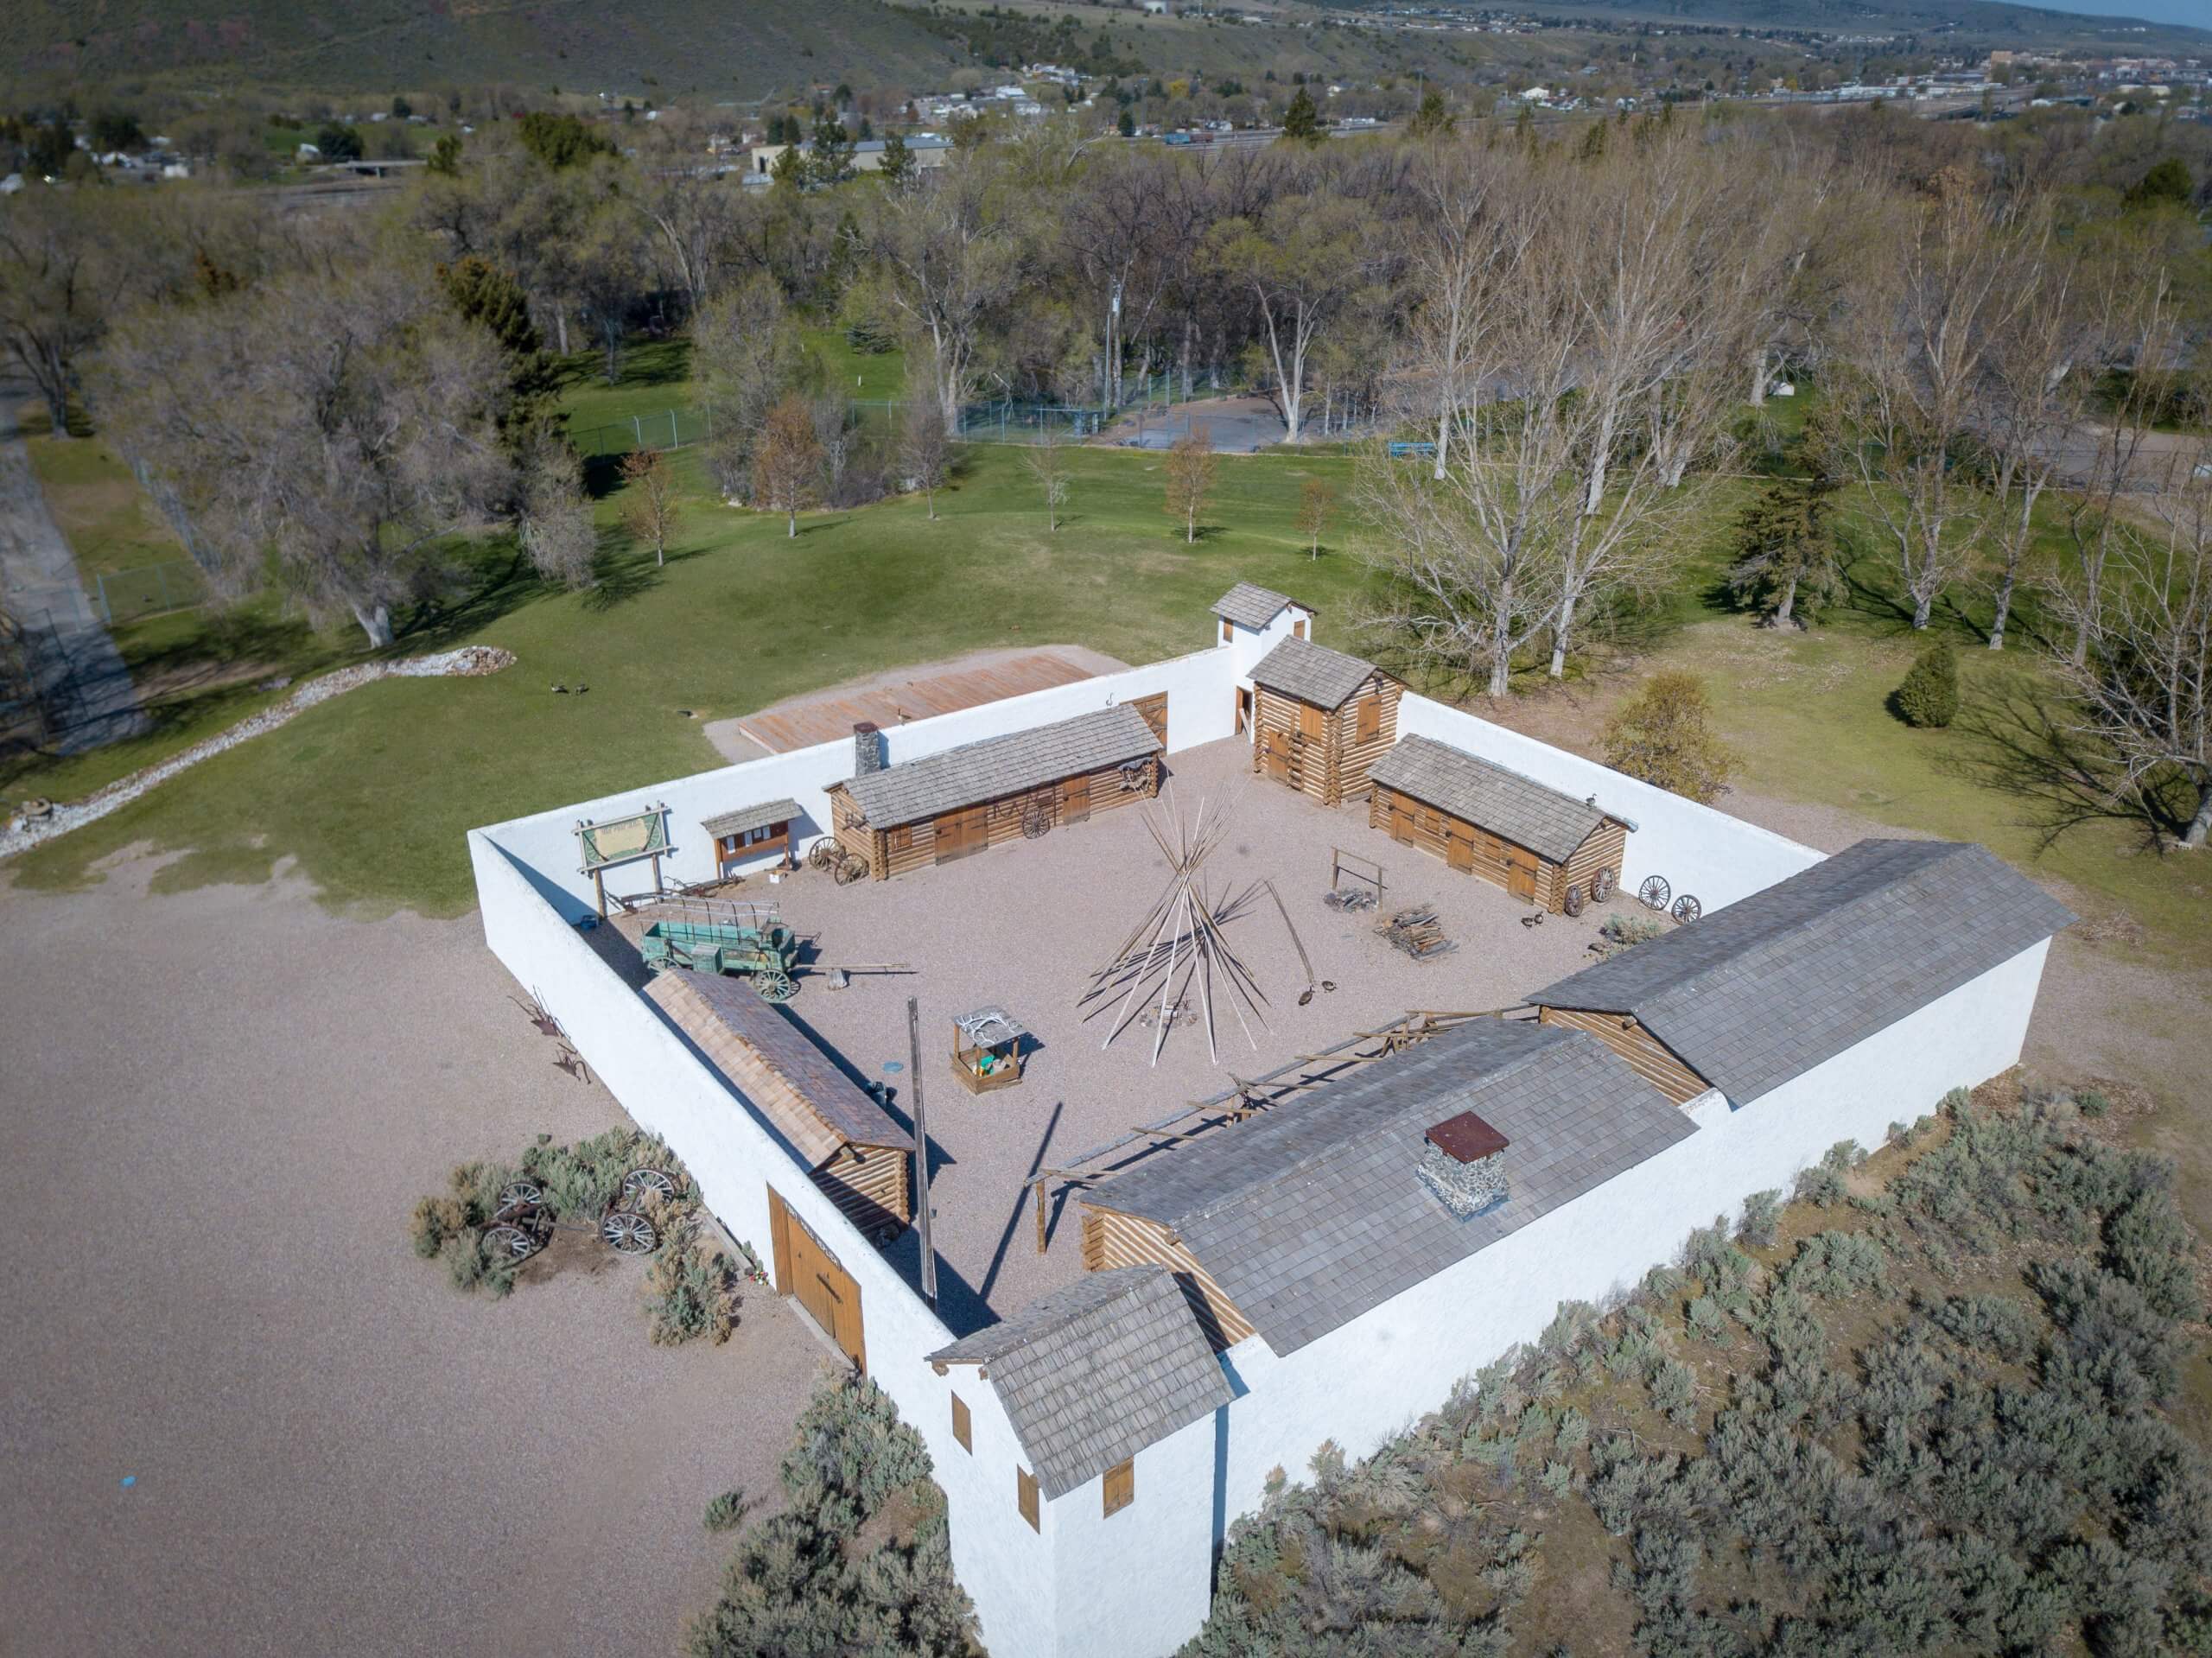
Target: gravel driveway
240,1417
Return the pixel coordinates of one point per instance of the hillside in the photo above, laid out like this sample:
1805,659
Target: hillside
710,48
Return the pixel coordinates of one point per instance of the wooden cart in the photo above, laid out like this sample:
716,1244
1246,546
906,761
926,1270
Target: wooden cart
987,1050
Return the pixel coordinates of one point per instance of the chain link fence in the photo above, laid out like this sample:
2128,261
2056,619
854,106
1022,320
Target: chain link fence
148,590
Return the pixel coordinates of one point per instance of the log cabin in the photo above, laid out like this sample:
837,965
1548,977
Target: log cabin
1479,816
1754,996
1320,718
947,805
853,1150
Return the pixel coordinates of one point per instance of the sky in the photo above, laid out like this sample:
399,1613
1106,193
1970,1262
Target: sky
2197,12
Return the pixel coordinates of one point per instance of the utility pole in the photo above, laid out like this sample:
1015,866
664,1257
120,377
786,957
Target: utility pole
921,1153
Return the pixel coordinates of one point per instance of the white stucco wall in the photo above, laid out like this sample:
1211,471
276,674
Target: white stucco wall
1137,1584
1362,1383
1246,646
1701,851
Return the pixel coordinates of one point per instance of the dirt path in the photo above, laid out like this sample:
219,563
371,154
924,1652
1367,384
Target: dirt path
211,1142
86,688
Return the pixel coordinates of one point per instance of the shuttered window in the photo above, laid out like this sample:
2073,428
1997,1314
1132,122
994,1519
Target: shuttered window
963,1429
902,838
1121,1485
1228,632
1370,718
1025,1492
1298,628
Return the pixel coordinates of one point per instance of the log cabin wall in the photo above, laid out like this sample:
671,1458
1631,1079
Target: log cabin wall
1365,727
1606,848
1290,742
870,1185
909,847
1470,847
1646,1055
1113,1239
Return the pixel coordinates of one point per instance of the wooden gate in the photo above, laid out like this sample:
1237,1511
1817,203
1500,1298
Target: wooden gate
1154,709
805,1269
959,833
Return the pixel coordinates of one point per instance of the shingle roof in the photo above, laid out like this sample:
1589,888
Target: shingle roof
1091,1374
1252,606
1312,673
1765,989
1547,822
997,766
764,1035
752,817
1313,1214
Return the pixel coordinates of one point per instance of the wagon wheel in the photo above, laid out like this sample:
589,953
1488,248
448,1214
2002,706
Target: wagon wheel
1654,892
1035,820
1602,884
639,1182
1688,909
850,869
823,854
510,1245
774,985
515,1194
629,1233
1573,901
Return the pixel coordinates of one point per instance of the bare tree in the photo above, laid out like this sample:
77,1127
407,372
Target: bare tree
1301,265
949,266
924,450
787,461
1047,461
1922,334
326,430
1190,476
2144,682
69,261
1316,500
747,354
649,510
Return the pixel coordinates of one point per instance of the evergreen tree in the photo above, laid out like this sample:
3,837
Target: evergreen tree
898,161
1928,697
1431,119
1301,122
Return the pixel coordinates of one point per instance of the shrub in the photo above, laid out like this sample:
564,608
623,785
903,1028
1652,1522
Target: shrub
1762,1222
1928,697
690,1290
726,1512
1665,737
1618,932
2091,1103
434,1221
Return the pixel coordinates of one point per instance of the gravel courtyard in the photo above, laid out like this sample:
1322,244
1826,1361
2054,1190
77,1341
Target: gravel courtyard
1024,925
240,1416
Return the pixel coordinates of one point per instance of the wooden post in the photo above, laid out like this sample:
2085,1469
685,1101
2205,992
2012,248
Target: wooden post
921,1153
599,886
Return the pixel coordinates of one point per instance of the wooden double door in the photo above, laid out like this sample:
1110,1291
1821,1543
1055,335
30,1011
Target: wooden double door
809,1272
962,832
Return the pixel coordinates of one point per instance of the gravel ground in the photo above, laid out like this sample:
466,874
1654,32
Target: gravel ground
219,1107
1024,925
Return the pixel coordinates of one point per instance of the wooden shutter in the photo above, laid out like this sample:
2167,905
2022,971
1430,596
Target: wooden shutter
1370,719
1309,721
1298,628
1025,1492
963,1429
1227,631
1121,1485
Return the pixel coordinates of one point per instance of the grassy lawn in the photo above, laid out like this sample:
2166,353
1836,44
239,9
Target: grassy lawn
110,524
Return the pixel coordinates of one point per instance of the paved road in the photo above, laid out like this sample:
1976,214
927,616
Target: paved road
1239,425
238,1417
88,691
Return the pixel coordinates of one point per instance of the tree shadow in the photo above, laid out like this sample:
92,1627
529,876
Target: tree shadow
502,583
2013,740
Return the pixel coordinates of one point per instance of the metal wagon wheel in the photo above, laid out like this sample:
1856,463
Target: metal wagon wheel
823,854
629,1233
509,1245
774,985
850,869
639,1182
1655,892
1573,901
1602,884
1688,909
517,1193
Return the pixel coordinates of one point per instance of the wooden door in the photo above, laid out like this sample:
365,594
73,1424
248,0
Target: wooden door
962,832
1458,845
1401,821
1244,710
1075,800
806,1270
1521,873
1275,751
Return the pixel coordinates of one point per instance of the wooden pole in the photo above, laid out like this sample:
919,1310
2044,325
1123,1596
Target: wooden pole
921,1153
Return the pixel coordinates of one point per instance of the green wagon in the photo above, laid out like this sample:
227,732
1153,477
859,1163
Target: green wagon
761,949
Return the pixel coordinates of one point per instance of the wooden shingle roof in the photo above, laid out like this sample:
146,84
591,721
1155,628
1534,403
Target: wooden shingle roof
1767,988
1312,673
1548,821
1092,1373
1313,1213
1251,605
995,767
774,1064
752,817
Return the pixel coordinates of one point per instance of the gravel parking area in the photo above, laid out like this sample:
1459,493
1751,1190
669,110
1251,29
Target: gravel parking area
239,1416
1024,925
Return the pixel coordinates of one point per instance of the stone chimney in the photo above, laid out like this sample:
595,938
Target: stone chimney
868,749
1462,1166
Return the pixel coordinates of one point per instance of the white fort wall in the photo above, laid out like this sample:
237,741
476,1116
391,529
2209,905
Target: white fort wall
1370,1379
1137,1584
